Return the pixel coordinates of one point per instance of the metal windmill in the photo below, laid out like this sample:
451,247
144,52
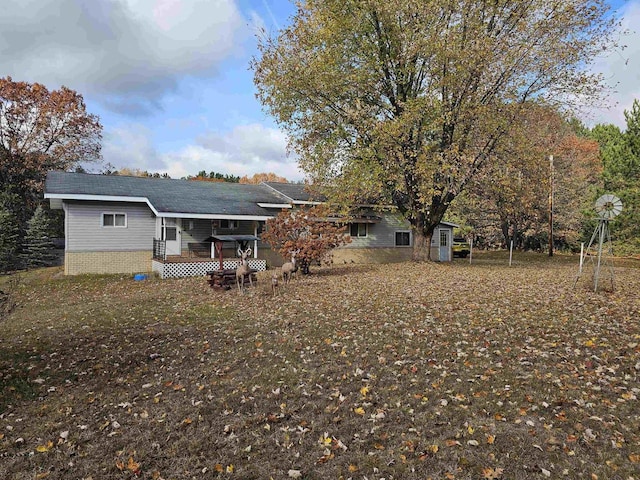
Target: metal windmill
607,207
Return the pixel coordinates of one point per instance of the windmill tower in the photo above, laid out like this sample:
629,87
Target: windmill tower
607,207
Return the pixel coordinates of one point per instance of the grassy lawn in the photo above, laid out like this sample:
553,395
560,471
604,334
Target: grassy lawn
400,371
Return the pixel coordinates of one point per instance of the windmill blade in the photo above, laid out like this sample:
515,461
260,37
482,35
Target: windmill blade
608,206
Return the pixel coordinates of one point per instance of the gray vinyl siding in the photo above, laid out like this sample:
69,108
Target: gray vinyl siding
201,230
381,234
85,233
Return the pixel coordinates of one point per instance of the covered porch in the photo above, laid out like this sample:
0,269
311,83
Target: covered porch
201,258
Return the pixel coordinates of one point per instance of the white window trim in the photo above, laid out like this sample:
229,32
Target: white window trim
402,246
114,220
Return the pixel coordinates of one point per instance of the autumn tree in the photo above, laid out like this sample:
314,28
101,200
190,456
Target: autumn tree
310,231
409,100
136,172
42,130
263,177
511,196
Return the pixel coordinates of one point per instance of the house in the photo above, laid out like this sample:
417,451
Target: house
122,224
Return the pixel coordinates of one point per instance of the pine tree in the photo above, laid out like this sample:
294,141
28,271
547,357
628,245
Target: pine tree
38,246
8,240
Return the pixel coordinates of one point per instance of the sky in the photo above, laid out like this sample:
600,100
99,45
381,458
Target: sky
171,83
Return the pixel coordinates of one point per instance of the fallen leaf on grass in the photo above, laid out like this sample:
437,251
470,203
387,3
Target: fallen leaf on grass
133,466
491,473
45,448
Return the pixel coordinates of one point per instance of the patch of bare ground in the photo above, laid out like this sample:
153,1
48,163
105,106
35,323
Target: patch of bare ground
404,371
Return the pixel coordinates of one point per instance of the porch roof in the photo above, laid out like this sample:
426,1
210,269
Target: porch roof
166,197
232,238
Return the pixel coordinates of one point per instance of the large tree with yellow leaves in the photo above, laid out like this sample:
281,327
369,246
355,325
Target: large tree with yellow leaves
407,100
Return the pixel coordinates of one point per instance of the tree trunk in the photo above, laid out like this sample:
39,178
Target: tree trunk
421,246
504,227
304,266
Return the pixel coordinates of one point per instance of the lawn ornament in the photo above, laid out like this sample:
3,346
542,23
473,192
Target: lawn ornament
289,268
243,270
607,207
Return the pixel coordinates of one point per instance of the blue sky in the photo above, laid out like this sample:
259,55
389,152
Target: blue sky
171,83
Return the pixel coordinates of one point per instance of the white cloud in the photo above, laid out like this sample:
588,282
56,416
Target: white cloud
621,70
245,150
248,144
128,52
130,146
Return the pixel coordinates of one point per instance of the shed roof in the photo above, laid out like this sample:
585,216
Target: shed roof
165,195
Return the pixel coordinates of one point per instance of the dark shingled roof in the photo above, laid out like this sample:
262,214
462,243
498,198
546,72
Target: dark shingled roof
295,191
168,195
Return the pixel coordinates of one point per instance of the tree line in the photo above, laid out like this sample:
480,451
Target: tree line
509,201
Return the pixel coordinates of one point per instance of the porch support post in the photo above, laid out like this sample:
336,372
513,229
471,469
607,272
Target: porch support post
218,247
255,242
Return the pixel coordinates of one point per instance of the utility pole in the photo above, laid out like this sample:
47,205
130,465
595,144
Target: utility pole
551,205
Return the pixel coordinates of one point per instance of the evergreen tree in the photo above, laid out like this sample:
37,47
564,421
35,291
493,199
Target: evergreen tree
620,153
8,240
632,137
38,246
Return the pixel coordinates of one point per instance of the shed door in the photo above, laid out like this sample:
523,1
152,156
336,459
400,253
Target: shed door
445,245
171,235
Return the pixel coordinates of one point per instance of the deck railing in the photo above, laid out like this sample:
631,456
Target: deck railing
159,249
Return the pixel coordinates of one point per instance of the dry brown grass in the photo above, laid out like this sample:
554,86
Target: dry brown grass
399,372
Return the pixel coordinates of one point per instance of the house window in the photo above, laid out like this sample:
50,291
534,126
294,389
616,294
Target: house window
358,229
225,224
444,238
114,220
403,239
170,234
